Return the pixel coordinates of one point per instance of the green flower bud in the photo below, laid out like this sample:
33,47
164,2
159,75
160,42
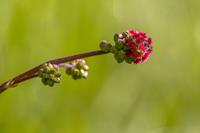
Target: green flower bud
119,46
81,61
129,60
56,80
69,71
85,67
79,65
44,80
76,74
105,46
50,66
114,50
50,82
117,36
84,74
77,69
120,56
57,74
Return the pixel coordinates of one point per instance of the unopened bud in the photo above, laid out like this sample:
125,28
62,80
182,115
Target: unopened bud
105,46
49,74
77,69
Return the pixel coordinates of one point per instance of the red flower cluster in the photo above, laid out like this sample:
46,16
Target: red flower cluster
137,46
140,46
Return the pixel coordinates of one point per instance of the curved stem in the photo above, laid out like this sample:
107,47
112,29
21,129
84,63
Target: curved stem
34,71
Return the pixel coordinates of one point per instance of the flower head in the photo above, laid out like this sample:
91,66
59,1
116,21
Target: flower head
77,69
132,46
49,74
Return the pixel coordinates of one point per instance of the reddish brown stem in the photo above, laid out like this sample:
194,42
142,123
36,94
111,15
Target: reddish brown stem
34,71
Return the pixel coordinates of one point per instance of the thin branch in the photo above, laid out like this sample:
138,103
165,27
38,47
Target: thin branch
34,71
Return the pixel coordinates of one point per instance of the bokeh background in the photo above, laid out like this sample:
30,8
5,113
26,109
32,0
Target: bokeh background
160,96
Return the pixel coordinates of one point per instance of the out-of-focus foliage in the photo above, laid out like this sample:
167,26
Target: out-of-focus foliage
160,96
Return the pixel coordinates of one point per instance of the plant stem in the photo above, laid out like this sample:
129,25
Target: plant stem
34,71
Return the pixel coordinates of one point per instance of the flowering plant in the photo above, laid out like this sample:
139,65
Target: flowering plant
131,46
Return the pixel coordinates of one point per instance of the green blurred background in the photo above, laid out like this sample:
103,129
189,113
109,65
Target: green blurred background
160,96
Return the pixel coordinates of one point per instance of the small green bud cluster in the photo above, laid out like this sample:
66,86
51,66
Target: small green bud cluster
78,69
49,74
105,46
118,50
